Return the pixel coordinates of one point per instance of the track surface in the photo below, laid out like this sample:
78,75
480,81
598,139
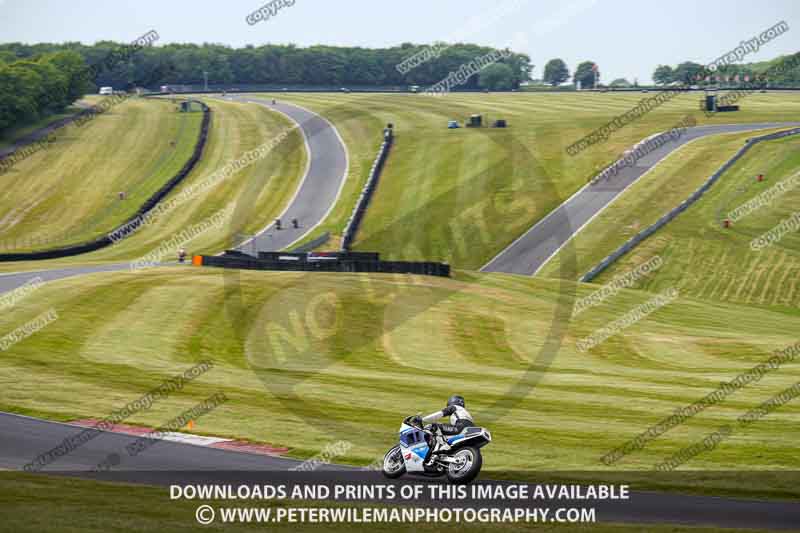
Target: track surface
528,254
319,189
12,281
315,197
23,438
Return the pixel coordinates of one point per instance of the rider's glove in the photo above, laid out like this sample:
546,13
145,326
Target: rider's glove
417,420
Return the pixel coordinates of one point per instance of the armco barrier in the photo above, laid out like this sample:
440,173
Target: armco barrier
133,223
346,263
696,195
360,208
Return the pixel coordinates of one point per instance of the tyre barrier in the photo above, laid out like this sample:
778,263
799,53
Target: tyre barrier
323,262
360,208
136,220
696,195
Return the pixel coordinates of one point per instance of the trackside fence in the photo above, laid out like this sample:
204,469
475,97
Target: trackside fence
695,196
133,223
360,208
332,262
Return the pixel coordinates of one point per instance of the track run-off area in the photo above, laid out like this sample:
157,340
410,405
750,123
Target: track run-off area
317,194
320,186
531,251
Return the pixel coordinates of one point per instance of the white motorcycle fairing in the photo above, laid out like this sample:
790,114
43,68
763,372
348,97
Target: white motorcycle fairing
414,448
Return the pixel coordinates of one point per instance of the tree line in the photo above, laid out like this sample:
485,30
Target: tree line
556,73
36,87
782,71
185,64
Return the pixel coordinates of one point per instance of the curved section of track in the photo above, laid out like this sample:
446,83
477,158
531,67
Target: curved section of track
325,175
530,252
317,194
23,438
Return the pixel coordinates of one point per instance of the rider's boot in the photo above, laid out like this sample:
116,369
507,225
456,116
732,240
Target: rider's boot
440,445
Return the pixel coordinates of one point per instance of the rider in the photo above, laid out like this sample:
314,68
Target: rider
459,419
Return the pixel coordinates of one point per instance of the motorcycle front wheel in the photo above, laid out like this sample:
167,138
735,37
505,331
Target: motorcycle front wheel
393,464
466,465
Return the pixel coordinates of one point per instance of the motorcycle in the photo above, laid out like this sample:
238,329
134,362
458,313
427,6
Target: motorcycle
461,463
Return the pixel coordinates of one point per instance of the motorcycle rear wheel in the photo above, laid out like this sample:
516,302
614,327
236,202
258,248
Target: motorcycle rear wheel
467,465
393,464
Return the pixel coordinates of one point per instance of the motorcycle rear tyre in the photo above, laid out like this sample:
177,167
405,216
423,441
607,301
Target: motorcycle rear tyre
466,474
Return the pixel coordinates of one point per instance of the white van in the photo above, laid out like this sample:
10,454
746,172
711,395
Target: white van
106,90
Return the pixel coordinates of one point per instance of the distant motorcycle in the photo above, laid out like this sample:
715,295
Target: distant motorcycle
461,463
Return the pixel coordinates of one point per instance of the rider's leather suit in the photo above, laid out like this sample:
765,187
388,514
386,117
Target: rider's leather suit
459,419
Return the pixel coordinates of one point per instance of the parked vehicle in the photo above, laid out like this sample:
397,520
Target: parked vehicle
106,91
460,460
453,124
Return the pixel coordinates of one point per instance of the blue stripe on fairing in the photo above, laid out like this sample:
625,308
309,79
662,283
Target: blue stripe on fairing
453,439
421,451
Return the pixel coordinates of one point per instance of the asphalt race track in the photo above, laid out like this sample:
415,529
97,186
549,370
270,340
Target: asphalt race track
317,194
23,438
319,189
11,281
529,253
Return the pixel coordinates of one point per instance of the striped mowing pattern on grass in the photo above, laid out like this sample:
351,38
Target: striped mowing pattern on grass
350,362
68,193
269,183
462,196
717,263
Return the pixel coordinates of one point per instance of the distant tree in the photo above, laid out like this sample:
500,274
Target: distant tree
783,70
687,71
51,93
74,69
497,77
585,74
7,57
555,72
663,74
522,67
620,82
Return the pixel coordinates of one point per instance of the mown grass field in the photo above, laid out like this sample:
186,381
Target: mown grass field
651,197
90,506
15,134
463,195
257,193
701,257
68,192
307,359
310,359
